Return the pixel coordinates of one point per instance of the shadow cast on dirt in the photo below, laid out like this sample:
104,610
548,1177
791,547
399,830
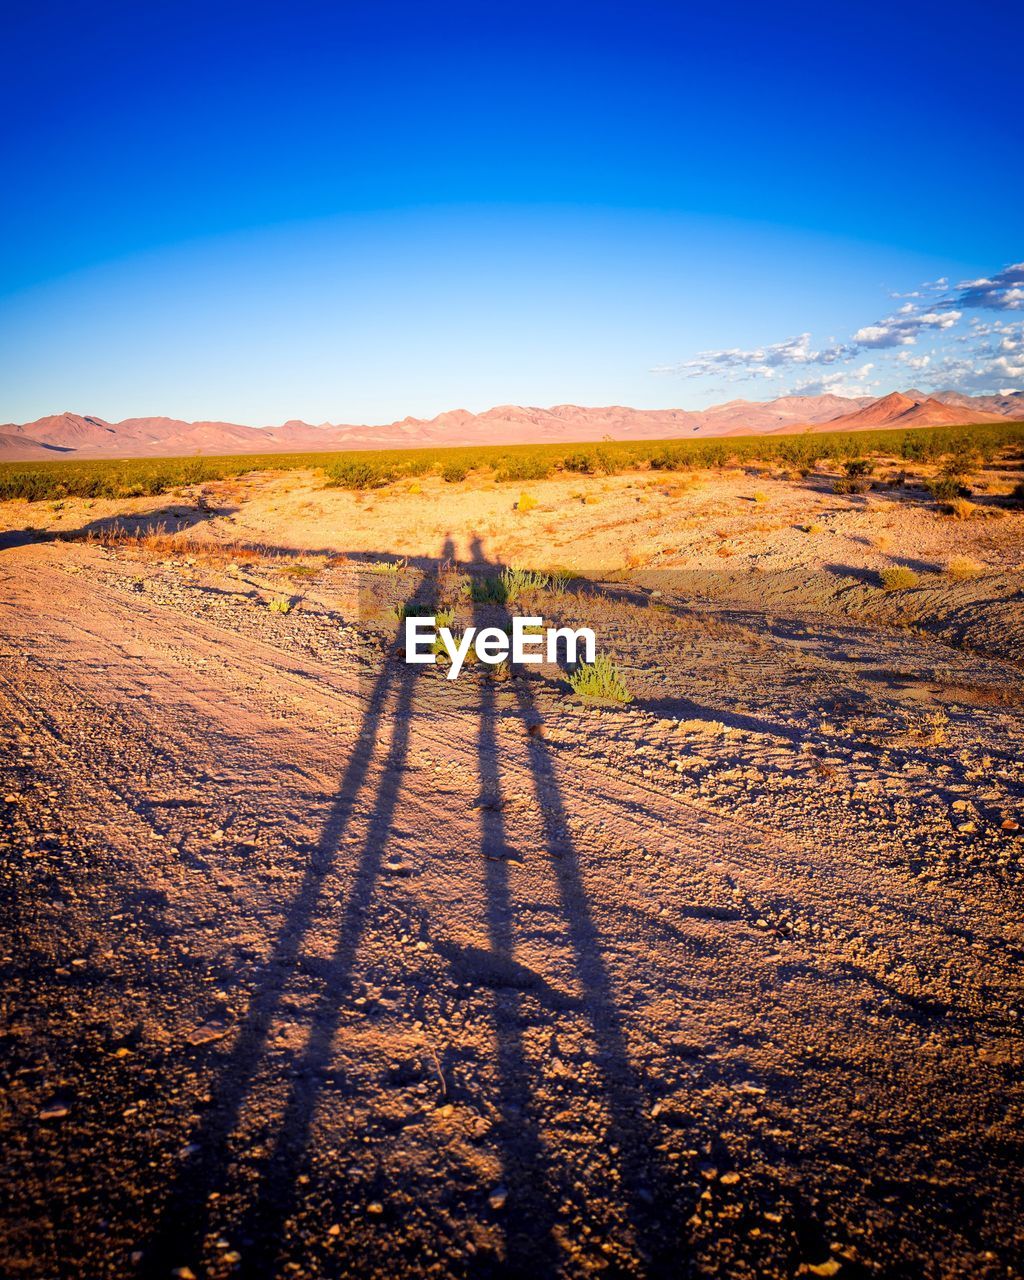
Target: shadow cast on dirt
653,1204
131,526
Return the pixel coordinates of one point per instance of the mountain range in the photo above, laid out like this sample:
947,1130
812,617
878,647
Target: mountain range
72,435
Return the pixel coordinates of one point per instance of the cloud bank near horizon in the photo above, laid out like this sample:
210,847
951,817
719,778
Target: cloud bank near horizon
979,356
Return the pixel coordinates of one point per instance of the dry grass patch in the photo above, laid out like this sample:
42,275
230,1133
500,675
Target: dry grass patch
960,509
159,544
963,568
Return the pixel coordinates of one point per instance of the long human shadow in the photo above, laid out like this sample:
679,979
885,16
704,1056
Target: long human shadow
530,1213
178,1234
650,1200
262,1226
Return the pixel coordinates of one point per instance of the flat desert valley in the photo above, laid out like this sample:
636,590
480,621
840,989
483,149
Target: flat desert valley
320,964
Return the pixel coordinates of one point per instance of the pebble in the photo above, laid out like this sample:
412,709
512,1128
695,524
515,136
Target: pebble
497,1198
215,1029
55,1110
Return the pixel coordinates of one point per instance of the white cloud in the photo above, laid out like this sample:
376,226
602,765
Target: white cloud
902,329
759,362
852,383
1002,292
990,351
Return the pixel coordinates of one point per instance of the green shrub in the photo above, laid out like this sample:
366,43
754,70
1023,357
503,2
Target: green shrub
582,463
600,679
354,473
897,577
453,472
368,469
520,467
851,484
946,488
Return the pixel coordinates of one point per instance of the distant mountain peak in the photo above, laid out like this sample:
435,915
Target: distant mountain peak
84,435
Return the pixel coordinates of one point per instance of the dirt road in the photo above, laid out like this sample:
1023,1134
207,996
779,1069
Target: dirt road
319,965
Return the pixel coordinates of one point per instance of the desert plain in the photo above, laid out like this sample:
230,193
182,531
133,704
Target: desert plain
318,964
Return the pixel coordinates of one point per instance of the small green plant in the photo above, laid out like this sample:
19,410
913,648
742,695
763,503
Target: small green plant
386,566
760,496
559,580
453,472
280,604
812,528
444,618
485,591
507,588
855,467
516,581
897,577
851,484
413,609
601,680
526,502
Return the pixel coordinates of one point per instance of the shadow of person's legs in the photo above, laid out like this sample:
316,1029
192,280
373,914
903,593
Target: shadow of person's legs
180,1229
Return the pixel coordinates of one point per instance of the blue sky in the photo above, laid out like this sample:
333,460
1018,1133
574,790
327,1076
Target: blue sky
354,212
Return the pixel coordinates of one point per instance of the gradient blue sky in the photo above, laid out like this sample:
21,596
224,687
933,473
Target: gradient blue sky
351,212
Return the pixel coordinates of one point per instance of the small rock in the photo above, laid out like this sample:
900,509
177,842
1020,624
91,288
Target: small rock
55,1109
375,1207
497,1198
215,1029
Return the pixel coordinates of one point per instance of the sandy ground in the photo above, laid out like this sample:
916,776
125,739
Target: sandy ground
317,964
